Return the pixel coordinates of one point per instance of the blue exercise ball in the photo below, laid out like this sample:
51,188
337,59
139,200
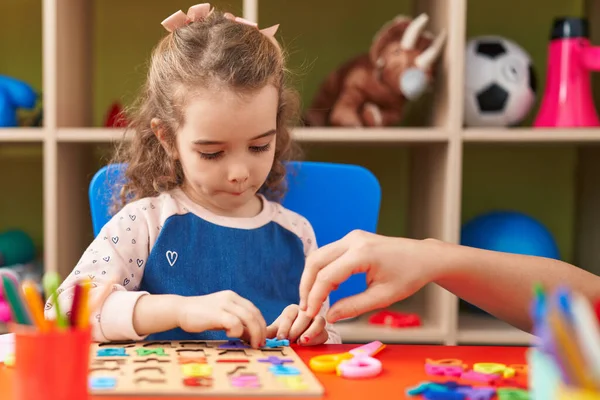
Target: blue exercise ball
510,232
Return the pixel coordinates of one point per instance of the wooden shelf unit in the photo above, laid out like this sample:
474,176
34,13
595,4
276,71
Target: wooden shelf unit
302,135
73,150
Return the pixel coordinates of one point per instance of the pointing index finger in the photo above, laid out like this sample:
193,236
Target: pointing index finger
316,261
330,277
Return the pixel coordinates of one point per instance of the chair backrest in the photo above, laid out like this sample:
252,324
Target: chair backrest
335,198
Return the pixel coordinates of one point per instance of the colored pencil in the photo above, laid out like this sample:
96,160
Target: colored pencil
15,302
587,332
83,312
34,302
76,305
51,281
567,350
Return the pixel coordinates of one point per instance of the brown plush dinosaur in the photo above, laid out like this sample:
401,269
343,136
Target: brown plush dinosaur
371,89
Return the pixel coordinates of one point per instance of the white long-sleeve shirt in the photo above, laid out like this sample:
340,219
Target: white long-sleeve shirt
171,245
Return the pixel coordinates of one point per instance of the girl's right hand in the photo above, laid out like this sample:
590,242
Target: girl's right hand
224,310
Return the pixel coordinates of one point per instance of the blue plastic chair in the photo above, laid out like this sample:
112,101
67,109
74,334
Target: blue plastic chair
335,198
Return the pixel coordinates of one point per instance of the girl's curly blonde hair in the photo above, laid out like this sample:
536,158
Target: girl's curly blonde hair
210,54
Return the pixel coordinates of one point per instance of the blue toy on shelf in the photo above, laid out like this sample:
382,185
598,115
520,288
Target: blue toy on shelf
14,94
510,232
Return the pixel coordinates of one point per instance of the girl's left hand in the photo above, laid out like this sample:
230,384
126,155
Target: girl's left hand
295,325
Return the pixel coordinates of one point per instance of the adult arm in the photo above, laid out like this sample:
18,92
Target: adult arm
499,283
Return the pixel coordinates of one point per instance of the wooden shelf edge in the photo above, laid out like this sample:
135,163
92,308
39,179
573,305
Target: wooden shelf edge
371,135
430,332
531,135
89,135
360,331
22,135
486,330
302,135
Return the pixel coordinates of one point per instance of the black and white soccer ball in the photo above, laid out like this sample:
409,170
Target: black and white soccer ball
500,82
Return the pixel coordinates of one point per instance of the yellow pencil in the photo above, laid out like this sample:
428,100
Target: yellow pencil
34,303
83,317
569,352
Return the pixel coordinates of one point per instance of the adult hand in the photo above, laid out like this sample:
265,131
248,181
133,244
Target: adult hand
395,269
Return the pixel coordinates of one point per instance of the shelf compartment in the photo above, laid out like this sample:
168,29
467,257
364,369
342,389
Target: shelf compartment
556,185
539,181
483,329
431,331
347,31
22,208
414,200
412,178
21,49
103,50
530,28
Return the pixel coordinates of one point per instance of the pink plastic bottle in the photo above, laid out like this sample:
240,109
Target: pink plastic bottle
567,100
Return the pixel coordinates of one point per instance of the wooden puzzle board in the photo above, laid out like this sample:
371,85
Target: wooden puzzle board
227,368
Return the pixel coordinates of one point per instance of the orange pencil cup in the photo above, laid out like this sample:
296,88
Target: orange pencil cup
52,365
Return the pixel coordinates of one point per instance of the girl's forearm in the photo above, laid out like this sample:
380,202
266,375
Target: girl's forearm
502,283
156,313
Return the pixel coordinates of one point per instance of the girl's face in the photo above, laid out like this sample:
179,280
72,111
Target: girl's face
226,148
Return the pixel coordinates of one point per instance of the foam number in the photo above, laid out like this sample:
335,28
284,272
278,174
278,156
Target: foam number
445,367
245,381
426,387
478,393
479,376
444,370
284,370
196,369
512,394
520,369
509,372
276,342
361,366
490,368
293,382
159,351
515,383
275,360
195,381
102,382
112,352
500,369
